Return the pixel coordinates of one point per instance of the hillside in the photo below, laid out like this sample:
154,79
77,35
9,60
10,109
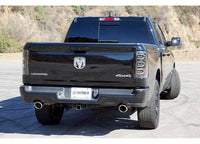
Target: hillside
20,24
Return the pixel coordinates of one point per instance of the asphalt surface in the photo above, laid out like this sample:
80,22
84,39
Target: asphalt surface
178,118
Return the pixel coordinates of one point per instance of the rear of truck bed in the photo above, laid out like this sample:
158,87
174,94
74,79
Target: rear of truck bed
110,70
106,65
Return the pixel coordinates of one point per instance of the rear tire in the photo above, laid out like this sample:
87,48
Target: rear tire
148,117
49,114
175,87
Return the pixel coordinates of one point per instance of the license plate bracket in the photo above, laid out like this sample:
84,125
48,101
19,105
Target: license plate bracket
81,93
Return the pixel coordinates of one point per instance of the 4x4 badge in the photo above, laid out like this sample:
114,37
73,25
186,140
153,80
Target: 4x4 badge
79,62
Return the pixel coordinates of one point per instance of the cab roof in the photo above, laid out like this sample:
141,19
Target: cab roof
129,18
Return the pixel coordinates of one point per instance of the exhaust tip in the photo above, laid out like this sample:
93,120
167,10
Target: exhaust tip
123,108
38,105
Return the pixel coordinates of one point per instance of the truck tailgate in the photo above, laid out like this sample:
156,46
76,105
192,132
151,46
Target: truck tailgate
105,65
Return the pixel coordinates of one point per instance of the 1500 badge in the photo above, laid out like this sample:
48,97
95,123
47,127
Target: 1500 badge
123,75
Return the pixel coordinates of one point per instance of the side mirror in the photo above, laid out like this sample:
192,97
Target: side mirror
175,41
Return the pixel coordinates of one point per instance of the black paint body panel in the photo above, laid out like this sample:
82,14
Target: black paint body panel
103,63
106,56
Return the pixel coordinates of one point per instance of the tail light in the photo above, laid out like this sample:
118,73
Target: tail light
141,64
25,62
109,19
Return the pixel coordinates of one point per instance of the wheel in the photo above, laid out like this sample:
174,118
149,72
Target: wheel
49,114
175,87
148,117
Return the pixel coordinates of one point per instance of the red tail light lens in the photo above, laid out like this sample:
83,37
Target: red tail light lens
109,19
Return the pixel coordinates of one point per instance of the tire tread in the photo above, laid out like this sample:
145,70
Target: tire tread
146,116
45,115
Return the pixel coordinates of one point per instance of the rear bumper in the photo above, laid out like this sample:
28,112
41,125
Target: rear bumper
105,96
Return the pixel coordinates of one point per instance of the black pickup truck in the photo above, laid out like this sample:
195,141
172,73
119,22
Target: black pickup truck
121,62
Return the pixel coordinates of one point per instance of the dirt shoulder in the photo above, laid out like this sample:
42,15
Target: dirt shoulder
10,56
180,55
187,55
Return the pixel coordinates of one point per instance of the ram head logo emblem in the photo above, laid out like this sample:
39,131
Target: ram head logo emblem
79,62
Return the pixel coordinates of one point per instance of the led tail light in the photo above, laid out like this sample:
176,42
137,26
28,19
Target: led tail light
141,65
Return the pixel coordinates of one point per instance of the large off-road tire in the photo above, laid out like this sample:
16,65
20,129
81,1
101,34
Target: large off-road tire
175,86
148,117
49,114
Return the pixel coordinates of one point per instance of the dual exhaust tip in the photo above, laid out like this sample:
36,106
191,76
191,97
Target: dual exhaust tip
38,105
122,107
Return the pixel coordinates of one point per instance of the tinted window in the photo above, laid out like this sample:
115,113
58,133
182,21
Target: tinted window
83,31
125,32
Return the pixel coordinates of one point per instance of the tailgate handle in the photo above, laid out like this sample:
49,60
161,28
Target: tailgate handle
79,48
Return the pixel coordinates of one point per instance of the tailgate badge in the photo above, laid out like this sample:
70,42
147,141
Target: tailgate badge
123,75
79,62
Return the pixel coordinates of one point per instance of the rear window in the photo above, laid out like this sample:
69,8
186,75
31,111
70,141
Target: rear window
110,32
83,31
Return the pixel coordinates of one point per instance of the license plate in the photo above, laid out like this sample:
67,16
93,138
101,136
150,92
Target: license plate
81,93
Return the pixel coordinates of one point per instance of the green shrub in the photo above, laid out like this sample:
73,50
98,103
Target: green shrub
81,10
184,13
10,45
17,9
42,15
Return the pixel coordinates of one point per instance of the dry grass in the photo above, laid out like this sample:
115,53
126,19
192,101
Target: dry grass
187,55
51,23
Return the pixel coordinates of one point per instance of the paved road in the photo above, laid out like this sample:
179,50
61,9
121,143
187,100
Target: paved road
179,117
